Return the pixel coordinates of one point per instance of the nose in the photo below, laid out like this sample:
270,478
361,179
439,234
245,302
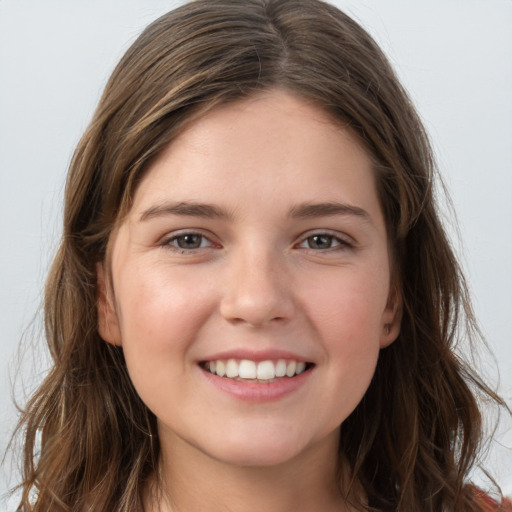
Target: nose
258,290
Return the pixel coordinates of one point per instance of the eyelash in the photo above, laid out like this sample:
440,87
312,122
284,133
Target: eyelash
339,243
173,241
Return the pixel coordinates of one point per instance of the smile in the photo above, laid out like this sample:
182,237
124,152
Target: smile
256,371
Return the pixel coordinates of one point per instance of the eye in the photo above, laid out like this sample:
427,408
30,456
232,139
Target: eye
188,241
323,241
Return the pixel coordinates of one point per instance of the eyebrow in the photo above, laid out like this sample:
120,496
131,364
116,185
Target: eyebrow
185,208
327,209
210,211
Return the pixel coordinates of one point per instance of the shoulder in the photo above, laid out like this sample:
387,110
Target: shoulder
489,504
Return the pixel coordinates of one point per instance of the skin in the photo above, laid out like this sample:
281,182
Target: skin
258,280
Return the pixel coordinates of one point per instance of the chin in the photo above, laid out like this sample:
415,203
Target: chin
263,448
262,457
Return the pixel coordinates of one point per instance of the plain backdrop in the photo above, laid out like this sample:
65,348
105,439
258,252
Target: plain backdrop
453,56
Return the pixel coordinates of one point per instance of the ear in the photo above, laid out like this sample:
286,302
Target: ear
392,317
108,324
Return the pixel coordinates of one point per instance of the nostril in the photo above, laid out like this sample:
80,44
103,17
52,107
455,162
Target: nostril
254,296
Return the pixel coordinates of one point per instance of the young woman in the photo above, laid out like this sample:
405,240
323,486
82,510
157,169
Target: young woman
254,303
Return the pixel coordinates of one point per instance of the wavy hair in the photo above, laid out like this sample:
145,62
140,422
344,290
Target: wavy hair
90,442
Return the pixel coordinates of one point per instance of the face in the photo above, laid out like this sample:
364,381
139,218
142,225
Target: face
250,286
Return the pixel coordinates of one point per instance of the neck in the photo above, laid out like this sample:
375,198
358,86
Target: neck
192,480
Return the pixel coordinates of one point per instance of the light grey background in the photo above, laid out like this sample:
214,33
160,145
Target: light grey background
454,56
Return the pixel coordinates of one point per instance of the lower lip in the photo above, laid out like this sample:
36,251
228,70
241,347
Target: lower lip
258,391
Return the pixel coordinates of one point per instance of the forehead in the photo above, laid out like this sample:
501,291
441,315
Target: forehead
275,145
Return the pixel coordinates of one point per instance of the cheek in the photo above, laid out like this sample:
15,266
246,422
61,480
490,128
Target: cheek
160,313
347,319
349,303
160,310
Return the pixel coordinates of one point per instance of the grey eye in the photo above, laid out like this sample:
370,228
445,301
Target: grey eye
320,241
188,241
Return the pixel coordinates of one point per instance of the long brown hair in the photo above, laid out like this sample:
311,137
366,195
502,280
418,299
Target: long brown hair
415,435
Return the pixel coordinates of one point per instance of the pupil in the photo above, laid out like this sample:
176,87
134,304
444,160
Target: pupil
320,242
189,241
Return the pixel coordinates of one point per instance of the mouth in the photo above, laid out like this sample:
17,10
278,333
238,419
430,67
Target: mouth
246,370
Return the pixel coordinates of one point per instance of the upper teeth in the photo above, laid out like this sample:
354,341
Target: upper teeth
262,370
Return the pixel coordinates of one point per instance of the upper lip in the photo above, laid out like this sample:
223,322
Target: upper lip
256,355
